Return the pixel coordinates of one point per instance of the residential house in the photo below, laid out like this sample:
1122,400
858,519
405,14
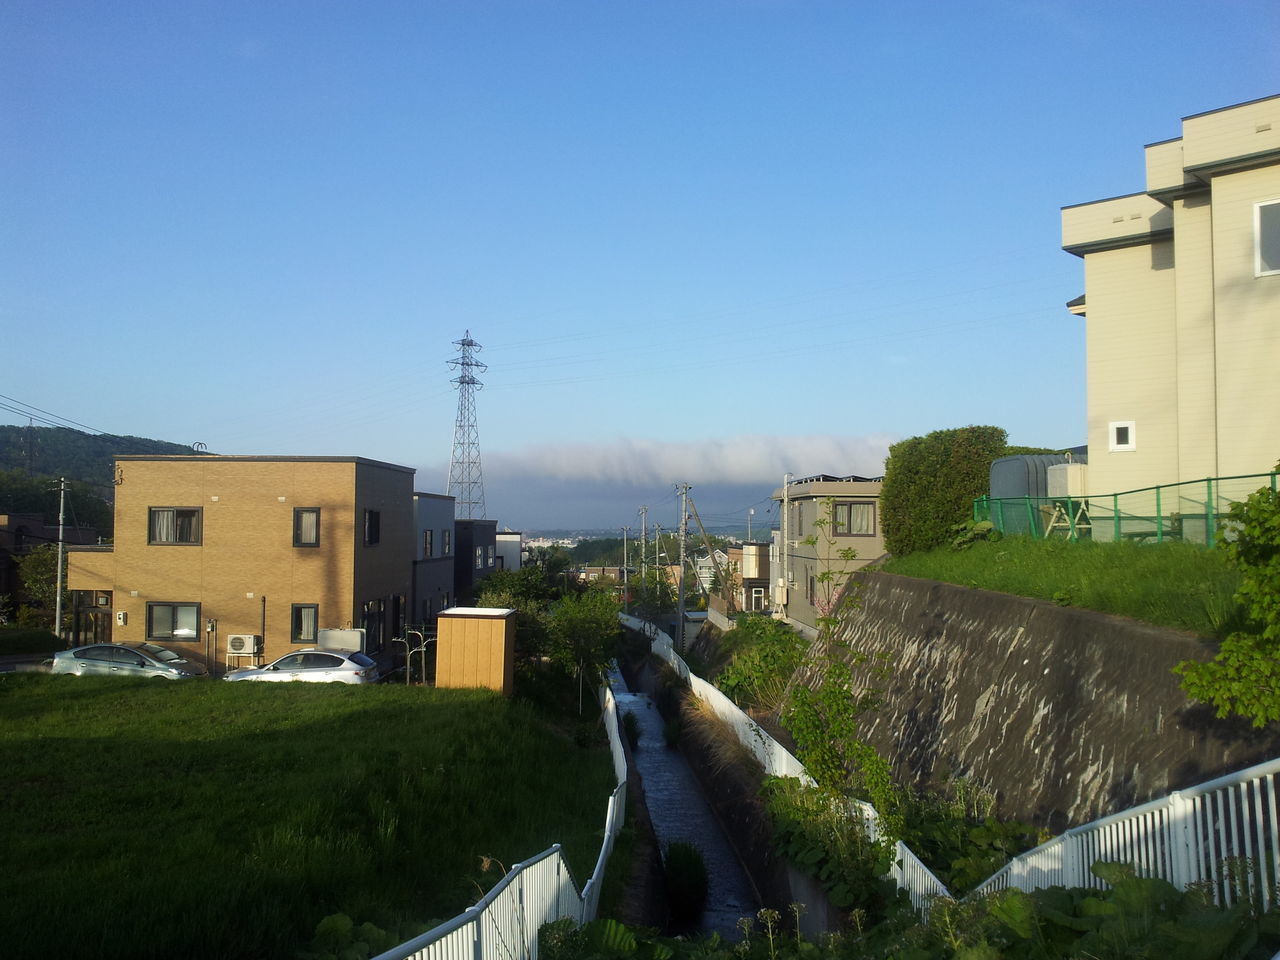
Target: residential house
207,547
433,562
836,514
1181,307
749,570
510,544
476,556
22,532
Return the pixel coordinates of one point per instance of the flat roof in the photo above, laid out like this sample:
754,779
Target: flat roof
235,458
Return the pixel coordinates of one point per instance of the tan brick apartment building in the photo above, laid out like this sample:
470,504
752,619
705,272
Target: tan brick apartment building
207,547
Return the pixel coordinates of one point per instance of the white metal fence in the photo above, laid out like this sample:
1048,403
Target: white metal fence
1224,833
504,924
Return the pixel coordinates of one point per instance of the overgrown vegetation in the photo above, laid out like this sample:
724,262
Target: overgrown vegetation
204,819
27,640
684,877
1244,677
1136,918
763,656
1177,585
930,483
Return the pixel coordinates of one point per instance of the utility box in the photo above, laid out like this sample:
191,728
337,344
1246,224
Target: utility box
476,647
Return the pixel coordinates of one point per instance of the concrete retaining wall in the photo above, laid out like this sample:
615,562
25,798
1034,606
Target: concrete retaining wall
1067,714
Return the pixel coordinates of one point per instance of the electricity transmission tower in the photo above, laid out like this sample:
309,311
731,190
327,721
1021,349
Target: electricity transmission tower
466,485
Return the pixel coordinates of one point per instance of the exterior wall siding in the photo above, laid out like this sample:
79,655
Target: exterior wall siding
245,573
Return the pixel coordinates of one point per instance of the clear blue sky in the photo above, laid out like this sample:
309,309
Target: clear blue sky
700,240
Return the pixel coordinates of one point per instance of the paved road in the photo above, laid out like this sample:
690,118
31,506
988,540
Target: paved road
23,662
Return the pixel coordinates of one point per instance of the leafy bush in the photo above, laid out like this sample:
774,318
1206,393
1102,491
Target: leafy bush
1244,677
930,484
24,640
631,728
764,655
684,873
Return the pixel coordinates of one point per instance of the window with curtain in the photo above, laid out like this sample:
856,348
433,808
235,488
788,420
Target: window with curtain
173,525
306,621
854,519
306,526
173,621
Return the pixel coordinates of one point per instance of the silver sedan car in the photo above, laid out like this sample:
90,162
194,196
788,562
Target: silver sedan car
125,660
317,666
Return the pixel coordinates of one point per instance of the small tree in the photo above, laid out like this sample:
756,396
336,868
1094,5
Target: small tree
585,633
39,572
1244,678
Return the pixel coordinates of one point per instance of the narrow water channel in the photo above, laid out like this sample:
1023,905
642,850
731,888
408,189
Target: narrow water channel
679,811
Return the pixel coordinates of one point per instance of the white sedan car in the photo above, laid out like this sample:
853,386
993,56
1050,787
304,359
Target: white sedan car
317,666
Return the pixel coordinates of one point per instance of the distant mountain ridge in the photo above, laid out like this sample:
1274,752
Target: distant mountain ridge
63,452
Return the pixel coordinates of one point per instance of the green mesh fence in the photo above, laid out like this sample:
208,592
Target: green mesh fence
1192,511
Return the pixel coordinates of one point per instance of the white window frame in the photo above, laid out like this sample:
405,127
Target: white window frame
1113,446
1258,270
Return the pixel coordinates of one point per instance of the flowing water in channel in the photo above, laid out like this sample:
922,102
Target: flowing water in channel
680,812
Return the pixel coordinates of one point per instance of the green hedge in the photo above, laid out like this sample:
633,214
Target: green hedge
930,484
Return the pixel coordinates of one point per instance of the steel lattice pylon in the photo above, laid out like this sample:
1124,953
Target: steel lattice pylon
466,485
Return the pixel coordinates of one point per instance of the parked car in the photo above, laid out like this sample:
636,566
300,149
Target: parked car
318,666
126,660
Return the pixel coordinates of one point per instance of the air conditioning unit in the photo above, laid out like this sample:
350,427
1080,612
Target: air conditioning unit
244,643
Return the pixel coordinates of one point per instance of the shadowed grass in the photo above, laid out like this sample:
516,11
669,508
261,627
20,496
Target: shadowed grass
203,819
1177,585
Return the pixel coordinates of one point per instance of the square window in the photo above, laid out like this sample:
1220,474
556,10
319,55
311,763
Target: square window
1266,233
174,525
306,527
854,519
306,620
1122,436
173,621
372,527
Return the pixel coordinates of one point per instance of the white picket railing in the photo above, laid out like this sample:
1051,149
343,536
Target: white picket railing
1224,833
504,923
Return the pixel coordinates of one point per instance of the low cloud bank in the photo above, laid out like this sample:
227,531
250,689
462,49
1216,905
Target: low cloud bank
601,486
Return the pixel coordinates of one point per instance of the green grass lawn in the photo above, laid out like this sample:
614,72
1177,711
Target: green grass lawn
1178,585
207,819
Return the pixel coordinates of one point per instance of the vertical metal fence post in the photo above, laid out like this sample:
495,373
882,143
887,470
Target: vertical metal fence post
1159,518
1209,520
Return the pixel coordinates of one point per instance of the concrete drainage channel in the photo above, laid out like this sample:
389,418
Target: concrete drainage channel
680,812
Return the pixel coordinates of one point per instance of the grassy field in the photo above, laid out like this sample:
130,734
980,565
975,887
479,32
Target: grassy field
206,819
1178,585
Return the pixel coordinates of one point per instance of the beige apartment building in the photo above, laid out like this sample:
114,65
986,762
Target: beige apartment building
209,547
1182,307
849,508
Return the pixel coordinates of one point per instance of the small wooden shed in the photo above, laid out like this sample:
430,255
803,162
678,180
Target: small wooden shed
476,647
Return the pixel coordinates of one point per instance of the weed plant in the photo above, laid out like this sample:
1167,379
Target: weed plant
763,655
205,819
1179,585
684,874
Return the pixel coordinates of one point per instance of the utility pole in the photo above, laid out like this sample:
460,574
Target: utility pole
626,596
644,538
62,525
660,576
683,488
785,544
